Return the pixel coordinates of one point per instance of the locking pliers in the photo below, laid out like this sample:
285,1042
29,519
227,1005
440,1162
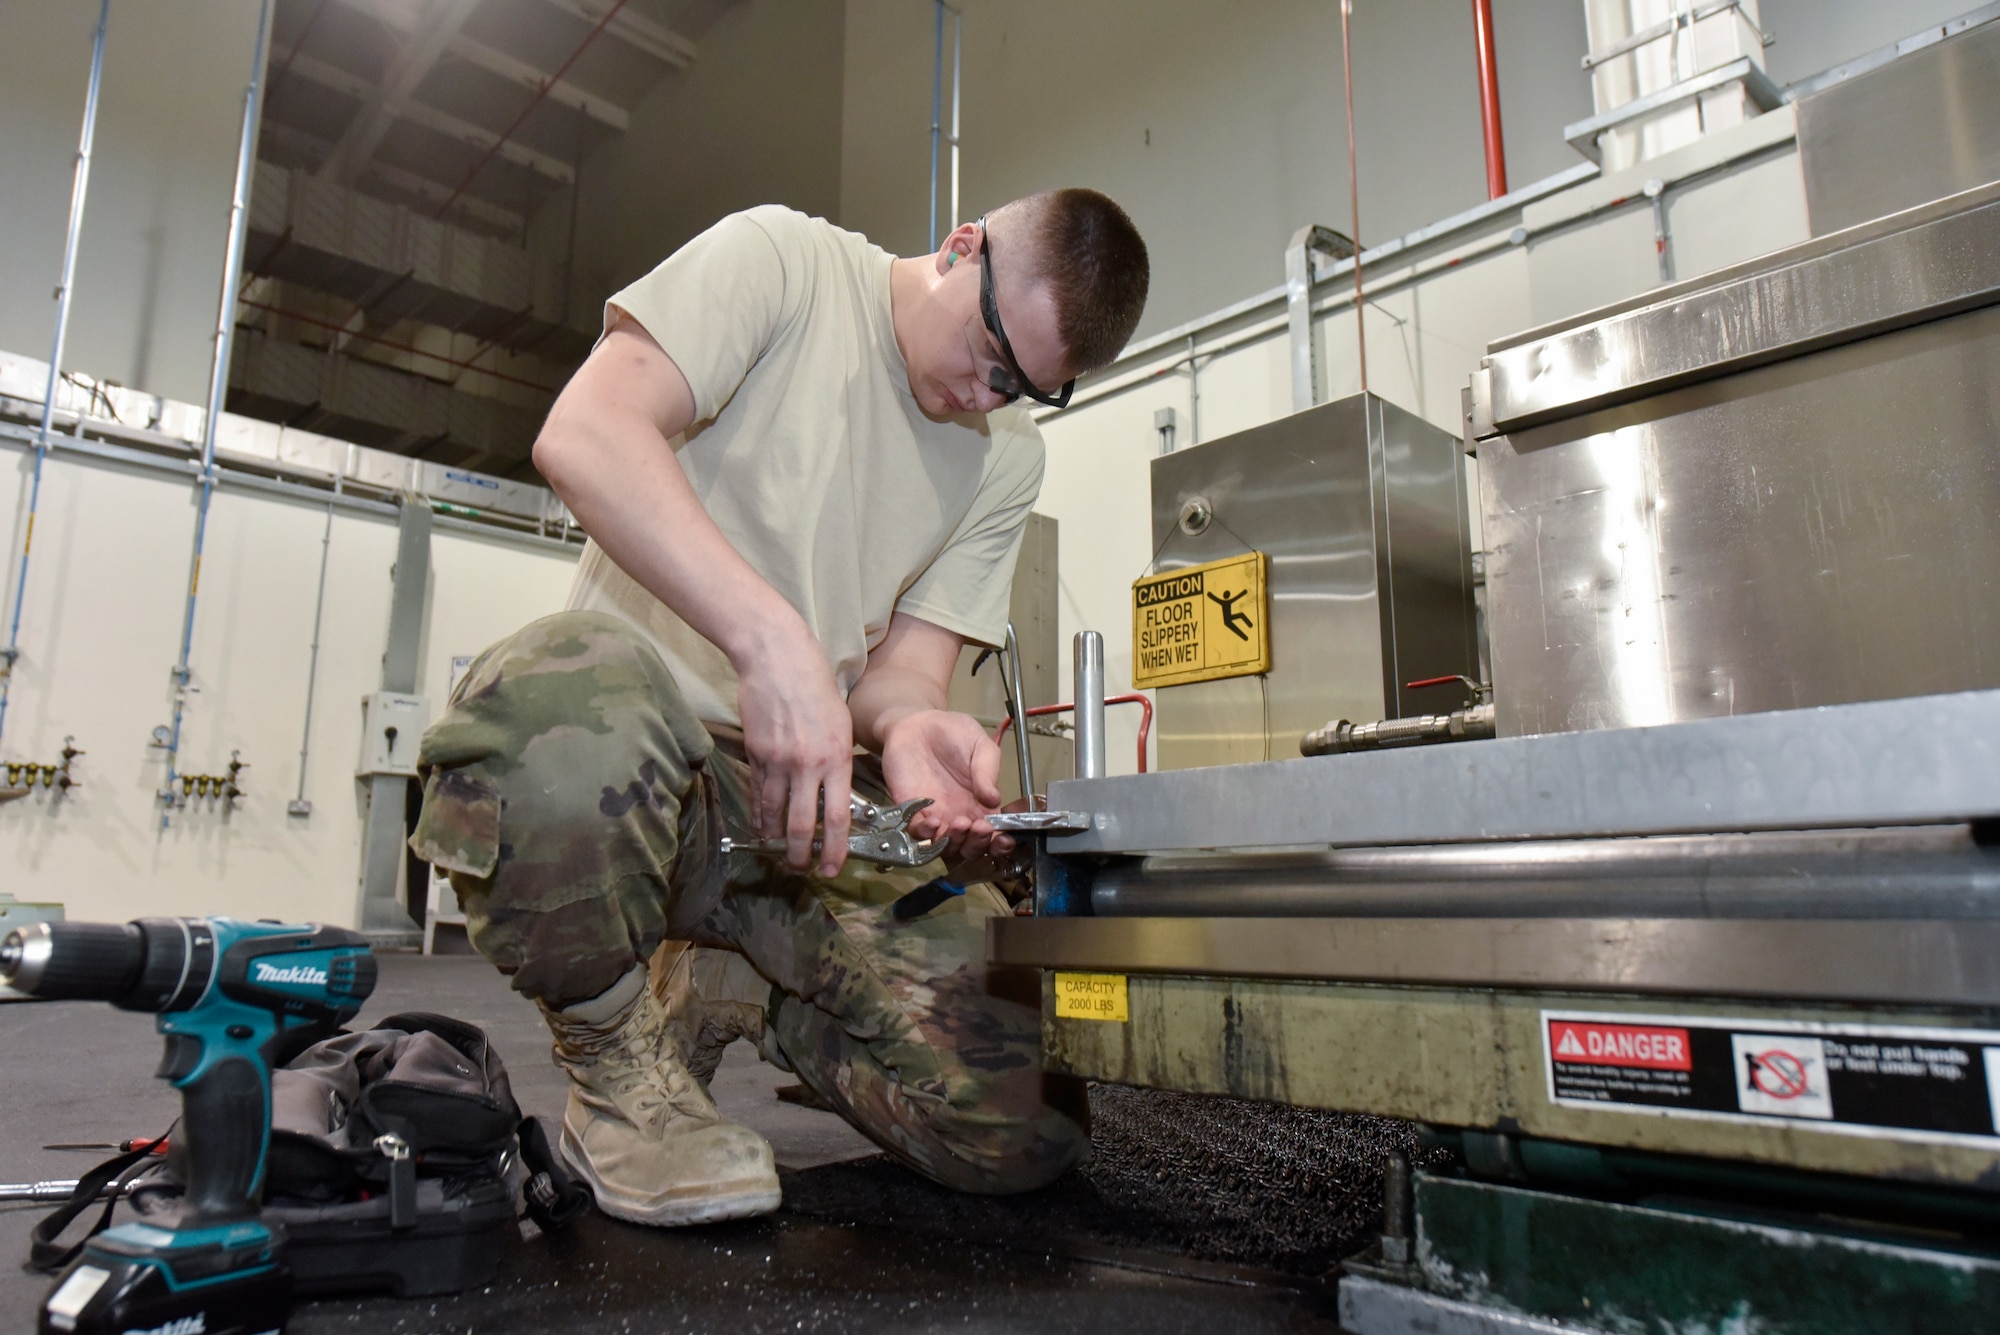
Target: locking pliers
876,833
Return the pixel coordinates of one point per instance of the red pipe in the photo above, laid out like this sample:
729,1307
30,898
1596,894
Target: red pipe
1489,99
1145,704
533,102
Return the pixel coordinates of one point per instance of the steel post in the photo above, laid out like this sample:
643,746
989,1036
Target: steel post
937,113
218,379
1089,705
79,186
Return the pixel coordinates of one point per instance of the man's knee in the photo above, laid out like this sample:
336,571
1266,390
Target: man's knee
989,1121
1015,1140
563,955
556,788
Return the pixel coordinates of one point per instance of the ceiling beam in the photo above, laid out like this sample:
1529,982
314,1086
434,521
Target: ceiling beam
443,122
479,137
421,49
308,145
490,214
562,91
314,70
635,30
400,18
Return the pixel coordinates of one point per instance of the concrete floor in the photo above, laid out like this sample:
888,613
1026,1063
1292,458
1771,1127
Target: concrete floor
1140,1239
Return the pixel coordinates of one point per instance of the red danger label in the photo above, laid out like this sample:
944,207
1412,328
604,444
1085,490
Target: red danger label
1620,1045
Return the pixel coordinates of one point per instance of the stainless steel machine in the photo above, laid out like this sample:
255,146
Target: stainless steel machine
1693,973
1769,488
1360,508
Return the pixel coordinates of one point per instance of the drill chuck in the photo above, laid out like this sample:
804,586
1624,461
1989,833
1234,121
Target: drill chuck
73,961
154,964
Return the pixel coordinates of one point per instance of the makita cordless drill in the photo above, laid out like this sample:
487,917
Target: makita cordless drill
228,994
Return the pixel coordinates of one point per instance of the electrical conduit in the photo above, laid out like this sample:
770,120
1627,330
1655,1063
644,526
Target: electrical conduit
218,385
12,653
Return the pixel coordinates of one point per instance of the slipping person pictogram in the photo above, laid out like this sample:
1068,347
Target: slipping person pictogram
1230,616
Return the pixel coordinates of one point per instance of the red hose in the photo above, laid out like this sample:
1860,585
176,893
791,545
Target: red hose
1145,704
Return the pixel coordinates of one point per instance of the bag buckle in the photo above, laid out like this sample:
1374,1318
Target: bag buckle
402,1179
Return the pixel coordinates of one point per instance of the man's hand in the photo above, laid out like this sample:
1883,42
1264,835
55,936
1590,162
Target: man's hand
800,740
927,750
948,758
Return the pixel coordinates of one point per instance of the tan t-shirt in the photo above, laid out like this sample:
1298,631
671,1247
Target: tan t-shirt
810,453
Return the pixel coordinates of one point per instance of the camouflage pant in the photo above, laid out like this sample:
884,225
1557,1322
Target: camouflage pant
577,805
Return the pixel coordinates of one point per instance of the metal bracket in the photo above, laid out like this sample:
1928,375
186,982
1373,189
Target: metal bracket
1307,386
1582,136
1040,822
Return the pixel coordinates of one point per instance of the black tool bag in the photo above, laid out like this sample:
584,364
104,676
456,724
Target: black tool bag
394,1161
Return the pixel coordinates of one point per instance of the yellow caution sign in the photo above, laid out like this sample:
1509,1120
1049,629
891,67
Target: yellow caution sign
1091,996
1201,622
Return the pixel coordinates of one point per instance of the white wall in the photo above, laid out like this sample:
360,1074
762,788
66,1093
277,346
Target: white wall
149,268
101,630
1220,128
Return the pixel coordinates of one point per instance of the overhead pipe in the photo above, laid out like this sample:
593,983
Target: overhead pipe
79,185
218,382
1489,99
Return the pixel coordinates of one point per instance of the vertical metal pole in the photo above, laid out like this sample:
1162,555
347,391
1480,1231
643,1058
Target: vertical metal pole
299,806
1663,241
1089,683
79,185
1353,188
1299,321
382,849
957,47
1194,395
937,114
218,378
1018,707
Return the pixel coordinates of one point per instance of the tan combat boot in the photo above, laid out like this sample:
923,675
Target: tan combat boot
640,1128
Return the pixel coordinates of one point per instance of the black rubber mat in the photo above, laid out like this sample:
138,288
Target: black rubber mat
1218,1180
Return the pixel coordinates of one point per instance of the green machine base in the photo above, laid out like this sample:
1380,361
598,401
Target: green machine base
1492,1259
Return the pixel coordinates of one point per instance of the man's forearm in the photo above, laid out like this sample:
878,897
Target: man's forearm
887,694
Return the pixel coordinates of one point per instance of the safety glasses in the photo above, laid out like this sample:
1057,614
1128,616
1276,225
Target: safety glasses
1006,379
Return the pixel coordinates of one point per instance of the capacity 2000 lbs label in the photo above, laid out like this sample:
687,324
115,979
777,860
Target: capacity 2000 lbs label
1868,1080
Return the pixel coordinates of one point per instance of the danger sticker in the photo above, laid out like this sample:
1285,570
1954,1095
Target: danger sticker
1621,1045
1856,1079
